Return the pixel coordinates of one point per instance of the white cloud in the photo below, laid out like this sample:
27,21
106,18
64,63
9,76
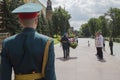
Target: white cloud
76,24
82,10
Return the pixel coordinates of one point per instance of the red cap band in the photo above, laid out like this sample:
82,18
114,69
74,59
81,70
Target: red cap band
27,15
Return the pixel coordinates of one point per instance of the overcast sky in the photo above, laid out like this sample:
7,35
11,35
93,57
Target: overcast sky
82,10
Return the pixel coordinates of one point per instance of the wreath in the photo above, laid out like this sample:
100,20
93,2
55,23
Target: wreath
73,45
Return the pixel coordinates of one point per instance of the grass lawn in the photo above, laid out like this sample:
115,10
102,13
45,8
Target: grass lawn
56,41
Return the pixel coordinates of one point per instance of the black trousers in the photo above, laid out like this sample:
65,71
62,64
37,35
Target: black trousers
99,53
111,49
66,52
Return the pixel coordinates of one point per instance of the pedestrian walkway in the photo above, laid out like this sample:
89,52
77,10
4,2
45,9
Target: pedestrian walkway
83,64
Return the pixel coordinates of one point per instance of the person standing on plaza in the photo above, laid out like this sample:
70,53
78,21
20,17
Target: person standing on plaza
68,55
99,45
111,46
65,46
88,43
29,54
96,42
104,45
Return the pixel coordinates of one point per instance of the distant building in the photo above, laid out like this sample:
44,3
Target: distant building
47,11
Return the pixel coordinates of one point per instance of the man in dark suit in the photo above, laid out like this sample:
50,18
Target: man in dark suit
65,46
111,46
30,54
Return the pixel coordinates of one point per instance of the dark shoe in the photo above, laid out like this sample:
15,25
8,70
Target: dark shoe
112,55
96,54
100,58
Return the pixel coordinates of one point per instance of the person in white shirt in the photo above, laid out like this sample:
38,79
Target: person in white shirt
99,45
104,45
96,42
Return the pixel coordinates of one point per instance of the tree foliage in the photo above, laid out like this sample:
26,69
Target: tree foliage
93,23
114,13
60,21
42,24
103,26
108,27
11,21
85,30
58,25
51,29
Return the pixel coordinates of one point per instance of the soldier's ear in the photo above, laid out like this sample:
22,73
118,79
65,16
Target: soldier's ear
36,20
20,21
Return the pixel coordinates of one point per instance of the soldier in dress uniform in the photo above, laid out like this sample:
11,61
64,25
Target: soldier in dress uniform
29,54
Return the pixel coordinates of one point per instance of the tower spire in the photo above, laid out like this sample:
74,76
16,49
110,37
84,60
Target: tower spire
49,10
49,5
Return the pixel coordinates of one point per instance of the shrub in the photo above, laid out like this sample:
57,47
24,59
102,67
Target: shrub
117,40
59,38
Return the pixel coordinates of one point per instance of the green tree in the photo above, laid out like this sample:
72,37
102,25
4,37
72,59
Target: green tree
60,20
51,29
10,20
103,26
85,30
115,15
94,26
42,24
108,28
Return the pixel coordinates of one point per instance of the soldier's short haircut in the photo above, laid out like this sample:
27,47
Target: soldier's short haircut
28,22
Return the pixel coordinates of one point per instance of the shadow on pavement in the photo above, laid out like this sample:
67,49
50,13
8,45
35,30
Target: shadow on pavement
69,58
102,60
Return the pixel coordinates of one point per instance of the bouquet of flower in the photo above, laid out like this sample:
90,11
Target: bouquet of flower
73,43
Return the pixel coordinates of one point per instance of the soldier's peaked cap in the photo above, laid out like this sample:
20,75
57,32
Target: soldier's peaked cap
28,8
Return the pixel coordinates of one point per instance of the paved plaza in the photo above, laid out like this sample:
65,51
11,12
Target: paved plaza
83,64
